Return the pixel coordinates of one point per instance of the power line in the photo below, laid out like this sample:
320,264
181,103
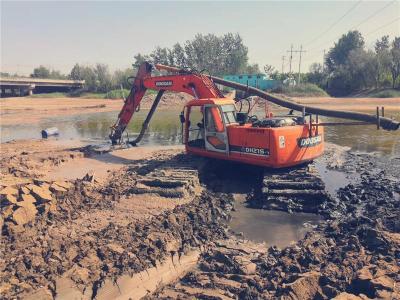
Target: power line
383,26
374,14
355,27
335,23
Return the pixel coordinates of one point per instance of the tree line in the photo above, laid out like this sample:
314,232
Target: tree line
217,55
350,67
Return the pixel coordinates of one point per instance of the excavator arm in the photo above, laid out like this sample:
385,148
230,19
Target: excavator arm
197,85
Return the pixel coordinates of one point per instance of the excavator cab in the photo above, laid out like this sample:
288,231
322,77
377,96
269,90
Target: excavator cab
206,122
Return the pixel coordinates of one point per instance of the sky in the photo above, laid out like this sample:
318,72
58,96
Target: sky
59,34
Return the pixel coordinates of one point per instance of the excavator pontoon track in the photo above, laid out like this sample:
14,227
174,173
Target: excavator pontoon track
296,189
174,178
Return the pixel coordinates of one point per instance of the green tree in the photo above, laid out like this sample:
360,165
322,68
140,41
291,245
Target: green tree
316,75
362,66
103,78
139,59
40,72
218,55
252,69
338,55
395,60
382,60
160,56
76,73
120,78
341,75
177,56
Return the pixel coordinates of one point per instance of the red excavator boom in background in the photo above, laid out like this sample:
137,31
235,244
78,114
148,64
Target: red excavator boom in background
214,128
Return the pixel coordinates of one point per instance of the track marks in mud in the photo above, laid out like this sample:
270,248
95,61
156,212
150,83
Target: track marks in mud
58,246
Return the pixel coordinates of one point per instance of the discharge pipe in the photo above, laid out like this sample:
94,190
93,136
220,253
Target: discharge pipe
385,123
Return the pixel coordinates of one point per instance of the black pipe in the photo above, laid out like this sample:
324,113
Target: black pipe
385,123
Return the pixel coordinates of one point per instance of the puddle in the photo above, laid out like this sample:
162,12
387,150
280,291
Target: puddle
333,179
272,227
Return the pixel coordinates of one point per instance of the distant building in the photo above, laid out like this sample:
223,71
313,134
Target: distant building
259,81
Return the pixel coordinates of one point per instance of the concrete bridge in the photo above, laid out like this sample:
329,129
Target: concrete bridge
27,86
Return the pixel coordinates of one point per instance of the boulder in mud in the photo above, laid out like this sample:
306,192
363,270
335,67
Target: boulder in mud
64,184
24,190
7,211
8,199
55,188
305,287
9,191
26,198
42,294
24,214
42,194
89,177
347,296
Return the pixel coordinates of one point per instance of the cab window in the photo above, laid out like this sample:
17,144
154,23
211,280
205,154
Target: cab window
229,113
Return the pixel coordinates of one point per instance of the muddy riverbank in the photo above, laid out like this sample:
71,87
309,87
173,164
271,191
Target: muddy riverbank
161,216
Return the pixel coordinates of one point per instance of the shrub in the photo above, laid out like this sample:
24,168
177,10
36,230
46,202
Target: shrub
301,90
385,94
49,95
117,94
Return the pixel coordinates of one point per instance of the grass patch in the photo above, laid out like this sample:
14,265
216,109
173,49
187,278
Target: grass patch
389,93
301,90
91,95
117,94
49,95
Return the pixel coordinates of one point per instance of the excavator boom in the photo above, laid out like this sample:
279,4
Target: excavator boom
197,85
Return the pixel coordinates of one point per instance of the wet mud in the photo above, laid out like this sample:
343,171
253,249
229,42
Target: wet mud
169,213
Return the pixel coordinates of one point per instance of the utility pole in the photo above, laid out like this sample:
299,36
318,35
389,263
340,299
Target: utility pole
323,62
290,58
300,52
283,64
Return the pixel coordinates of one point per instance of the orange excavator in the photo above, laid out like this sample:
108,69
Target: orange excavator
212,126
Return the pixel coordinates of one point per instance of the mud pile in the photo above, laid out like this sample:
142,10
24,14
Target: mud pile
83,238
352,255
23,161
55,245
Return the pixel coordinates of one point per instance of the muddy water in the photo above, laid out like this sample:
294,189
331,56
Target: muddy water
165,129
271,227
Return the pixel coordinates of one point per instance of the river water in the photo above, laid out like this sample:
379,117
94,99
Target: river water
165,129
272,227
